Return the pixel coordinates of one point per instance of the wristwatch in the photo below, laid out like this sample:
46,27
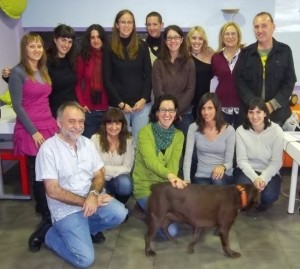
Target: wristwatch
95,192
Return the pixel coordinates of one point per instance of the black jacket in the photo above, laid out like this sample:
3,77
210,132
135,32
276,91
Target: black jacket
280,77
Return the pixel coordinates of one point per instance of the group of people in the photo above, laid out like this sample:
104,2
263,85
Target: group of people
132,113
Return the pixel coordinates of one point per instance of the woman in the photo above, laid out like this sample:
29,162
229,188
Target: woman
90,89
259,148
30,87
223,66
201,54
127,72
214,141
61,63
158,153
116,149
174,73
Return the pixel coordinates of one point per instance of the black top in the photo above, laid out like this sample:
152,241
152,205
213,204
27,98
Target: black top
127,80
63,84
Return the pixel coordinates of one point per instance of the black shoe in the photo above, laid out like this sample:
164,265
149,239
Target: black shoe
126,219
261,207
98,238
38,236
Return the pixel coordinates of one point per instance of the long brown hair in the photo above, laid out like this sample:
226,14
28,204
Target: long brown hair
116,44
26,39
114,115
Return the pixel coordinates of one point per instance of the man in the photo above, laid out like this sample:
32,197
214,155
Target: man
73,174
154,25
266,69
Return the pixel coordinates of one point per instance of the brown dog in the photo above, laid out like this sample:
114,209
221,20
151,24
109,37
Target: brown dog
199,206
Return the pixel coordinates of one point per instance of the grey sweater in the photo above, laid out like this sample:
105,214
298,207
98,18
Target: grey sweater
259,152
209,152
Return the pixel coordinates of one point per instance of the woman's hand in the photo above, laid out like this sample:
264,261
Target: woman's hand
259,184
38,139
218,172
139,105
176,181
6,72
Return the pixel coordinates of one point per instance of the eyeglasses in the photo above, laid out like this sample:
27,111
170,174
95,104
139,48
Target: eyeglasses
164,110
175,38
126,22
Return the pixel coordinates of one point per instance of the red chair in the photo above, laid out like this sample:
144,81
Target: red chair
8,155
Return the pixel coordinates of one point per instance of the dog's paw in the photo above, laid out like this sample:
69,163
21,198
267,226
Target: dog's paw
150,253
234,254
190,250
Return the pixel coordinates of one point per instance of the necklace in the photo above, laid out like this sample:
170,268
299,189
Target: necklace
196,53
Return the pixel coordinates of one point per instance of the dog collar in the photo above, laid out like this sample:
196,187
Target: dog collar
243,193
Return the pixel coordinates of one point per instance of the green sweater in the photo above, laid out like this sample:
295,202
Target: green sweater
150,167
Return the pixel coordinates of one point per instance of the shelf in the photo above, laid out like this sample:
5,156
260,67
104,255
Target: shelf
230,10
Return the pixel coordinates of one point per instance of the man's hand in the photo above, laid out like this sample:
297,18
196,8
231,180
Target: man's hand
104,199
90,204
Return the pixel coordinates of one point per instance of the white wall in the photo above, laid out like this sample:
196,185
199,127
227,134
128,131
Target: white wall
11,31
78,13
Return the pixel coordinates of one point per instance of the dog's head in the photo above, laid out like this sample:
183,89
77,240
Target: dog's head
249,195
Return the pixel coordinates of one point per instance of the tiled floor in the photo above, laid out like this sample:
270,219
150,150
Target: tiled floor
265,240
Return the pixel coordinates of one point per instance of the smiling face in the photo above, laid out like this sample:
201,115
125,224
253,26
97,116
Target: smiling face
230,37
153,26
256,118
208,112
173,41
196,41
71,124
125,25
166,113
63,45
263,29
34,51
95,40
113,128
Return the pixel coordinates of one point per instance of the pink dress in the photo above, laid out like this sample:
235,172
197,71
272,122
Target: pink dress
35,102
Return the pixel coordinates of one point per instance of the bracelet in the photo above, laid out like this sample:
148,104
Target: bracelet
223,167
95,192
123,106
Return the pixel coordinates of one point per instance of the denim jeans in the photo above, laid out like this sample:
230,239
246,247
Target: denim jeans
120,187
92,122
173,227
70,237
185,122
271,192
137,120
225,180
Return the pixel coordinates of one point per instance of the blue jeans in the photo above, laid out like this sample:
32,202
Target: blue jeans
137,120
271,192
120,186
92,122
173,227
225,180
185,122
70,237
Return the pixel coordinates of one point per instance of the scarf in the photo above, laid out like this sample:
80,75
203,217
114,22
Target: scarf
155,44
163,137
96,79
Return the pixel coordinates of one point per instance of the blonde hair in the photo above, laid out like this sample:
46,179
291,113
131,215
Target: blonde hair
202,33
116,44
26,39
222,32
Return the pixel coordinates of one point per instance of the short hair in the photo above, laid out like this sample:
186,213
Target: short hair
67,104
219,118
114,115
158,101
259,103
154,14
262,14
222,32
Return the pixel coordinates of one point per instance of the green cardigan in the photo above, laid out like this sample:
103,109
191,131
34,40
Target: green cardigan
151,168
